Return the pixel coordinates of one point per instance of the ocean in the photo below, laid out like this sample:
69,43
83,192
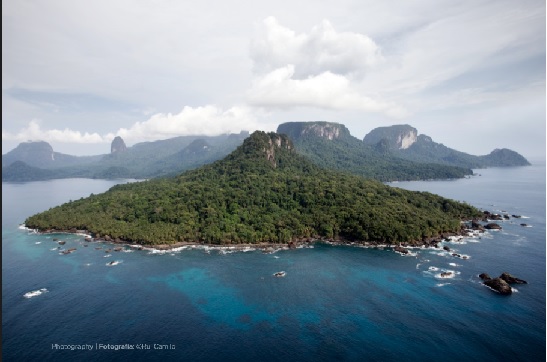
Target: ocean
335,303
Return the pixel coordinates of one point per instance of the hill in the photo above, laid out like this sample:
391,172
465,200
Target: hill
143,160
263,192
331,145
403,141
40,154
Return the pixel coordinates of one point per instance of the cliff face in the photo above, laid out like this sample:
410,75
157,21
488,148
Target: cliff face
399,137
406,140
118,145
276,142
326,130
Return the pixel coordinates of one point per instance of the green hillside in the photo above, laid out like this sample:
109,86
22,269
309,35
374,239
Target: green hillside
330,145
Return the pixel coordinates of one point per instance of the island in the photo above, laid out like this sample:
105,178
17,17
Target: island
263,192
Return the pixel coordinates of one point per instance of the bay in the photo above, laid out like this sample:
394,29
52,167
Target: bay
335,302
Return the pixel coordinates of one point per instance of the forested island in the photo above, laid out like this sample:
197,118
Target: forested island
263,192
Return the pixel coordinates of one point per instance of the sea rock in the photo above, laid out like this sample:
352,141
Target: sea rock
400,249
495,217
499,285
492,226
484,276
524,225
516,216
446,248
512,279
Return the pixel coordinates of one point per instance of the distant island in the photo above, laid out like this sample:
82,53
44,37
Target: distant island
263,192
395,153
36,161
403,141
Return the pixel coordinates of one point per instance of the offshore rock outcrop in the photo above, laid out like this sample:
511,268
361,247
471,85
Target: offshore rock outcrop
502,283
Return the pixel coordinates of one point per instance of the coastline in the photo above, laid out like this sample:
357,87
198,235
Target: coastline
467,229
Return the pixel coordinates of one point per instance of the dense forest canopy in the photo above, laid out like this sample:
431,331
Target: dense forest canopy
262,192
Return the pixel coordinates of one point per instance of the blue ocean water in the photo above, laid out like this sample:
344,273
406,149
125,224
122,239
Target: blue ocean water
336,303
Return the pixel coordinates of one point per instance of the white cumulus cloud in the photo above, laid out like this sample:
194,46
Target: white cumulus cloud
33,132
326,90
323,49
208,120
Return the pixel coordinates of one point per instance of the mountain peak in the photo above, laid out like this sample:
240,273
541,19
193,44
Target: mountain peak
33,153
399,137
327,130
118,145
270,146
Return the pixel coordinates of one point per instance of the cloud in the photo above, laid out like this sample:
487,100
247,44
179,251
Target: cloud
208,120
34,132
326,90
479,39
323,49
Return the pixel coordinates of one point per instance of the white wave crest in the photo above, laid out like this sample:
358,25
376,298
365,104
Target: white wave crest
35,293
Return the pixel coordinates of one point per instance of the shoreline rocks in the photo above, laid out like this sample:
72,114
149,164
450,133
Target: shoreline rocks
469,227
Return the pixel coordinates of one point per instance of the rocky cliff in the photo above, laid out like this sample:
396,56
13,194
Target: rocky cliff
326,130
398,137
118,145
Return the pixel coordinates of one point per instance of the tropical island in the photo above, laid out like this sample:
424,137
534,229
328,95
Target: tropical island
263,192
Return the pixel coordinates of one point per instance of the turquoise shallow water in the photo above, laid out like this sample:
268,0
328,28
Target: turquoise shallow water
335,303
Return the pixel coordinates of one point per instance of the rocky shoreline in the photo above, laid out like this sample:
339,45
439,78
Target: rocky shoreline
468,228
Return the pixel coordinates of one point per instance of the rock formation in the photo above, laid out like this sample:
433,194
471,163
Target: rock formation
118,145
501,283
398,137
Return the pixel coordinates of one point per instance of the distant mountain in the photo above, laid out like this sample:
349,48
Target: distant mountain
143,160
263,192
386,154
403,141
118,145
19,171
40,154
331,145
397,137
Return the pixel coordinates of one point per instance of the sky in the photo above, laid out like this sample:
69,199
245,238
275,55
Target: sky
470,74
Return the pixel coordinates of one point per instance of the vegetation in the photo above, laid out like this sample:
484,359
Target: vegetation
425,150
261,192
143,160
330,145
